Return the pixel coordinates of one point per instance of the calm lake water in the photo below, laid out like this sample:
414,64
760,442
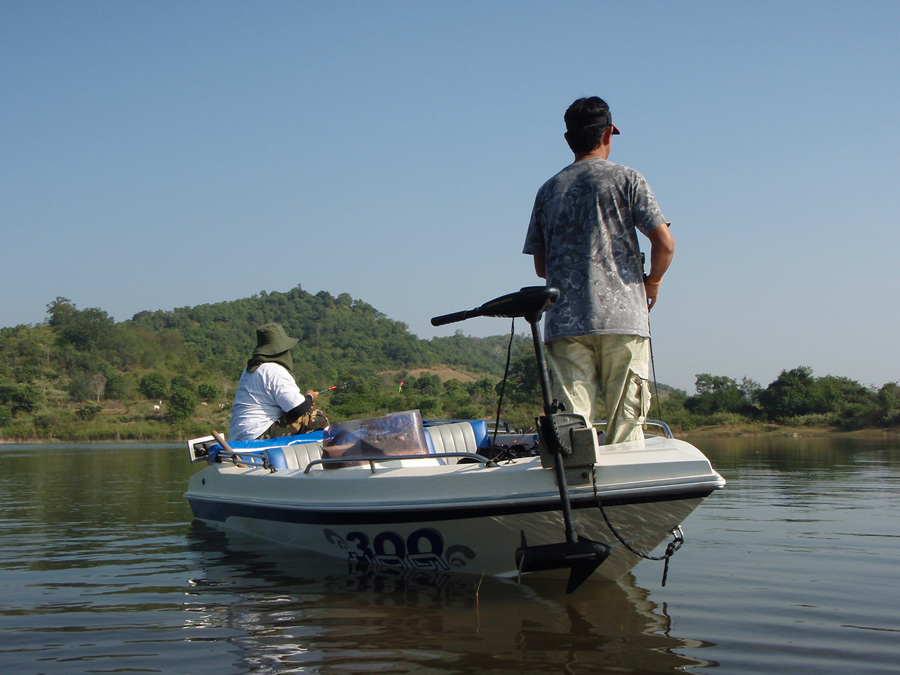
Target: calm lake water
793,568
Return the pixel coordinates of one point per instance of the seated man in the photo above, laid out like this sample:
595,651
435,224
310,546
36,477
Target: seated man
268,402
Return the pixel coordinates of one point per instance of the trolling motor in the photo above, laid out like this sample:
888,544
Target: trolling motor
580,555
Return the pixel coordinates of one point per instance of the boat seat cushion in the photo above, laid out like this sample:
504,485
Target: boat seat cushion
457,437
295,456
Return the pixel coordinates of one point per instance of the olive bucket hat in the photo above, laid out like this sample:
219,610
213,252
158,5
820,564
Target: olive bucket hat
272,340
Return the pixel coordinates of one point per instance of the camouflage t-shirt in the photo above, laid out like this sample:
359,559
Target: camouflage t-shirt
585,223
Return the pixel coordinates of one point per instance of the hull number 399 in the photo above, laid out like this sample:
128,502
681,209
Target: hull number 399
422,549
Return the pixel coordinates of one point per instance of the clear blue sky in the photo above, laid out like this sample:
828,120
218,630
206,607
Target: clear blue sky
167,154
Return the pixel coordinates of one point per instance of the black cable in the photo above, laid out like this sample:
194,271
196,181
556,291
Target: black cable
512,333
673,546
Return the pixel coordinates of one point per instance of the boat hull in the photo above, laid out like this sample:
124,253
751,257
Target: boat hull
465,518
478,545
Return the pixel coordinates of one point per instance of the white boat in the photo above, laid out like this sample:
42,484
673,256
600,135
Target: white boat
454,497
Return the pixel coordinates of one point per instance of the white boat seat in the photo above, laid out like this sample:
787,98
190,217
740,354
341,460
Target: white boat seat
453,437
442,438
296,456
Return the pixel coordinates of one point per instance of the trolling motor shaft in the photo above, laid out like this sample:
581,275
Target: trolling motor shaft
578,554
581,555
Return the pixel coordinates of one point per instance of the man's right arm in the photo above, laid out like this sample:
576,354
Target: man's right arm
662,250
294,413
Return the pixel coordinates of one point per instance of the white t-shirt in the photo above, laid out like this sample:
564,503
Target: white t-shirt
261,398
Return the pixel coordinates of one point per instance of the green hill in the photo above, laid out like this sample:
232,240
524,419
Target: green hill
171,374
81,375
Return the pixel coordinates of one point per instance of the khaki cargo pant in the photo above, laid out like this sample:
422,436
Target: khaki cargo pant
617,365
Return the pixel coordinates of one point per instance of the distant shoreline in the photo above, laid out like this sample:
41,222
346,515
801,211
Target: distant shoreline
773,430
722,431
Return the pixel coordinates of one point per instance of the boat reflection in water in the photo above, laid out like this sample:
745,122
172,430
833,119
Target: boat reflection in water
281,609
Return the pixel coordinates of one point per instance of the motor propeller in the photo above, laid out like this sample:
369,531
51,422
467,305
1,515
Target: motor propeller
582,557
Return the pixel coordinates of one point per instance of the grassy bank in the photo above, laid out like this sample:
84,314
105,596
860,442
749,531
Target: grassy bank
116,421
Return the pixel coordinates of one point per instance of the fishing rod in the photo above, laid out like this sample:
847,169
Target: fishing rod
348,383
653,371
650,345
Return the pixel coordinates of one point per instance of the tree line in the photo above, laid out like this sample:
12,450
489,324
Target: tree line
159,369
166,374
795,398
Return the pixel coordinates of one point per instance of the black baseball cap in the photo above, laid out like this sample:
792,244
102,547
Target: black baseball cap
589,112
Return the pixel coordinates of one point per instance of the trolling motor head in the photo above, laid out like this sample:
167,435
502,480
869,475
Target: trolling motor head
529,302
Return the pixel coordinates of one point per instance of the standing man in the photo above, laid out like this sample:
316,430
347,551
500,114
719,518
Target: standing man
583,236
268,403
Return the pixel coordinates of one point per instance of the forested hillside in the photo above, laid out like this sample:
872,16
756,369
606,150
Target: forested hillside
339,337
169,374
157,370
